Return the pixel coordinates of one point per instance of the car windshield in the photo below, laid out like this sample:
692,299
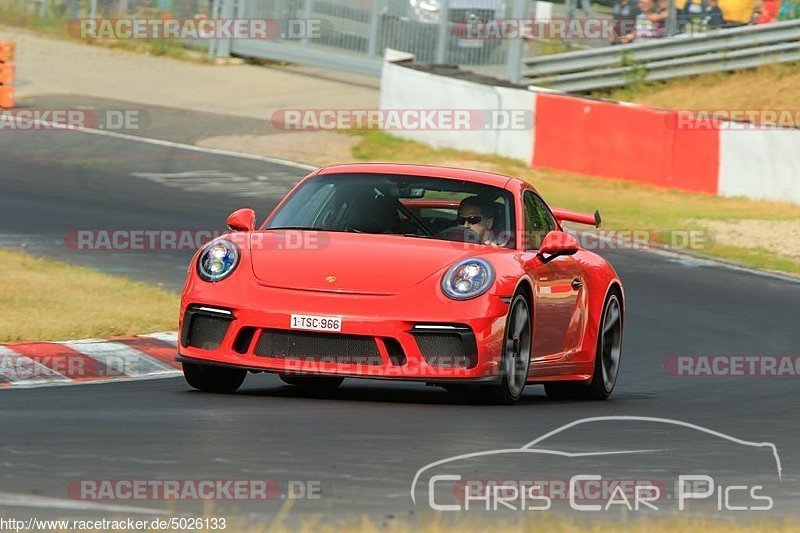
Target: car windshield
409,206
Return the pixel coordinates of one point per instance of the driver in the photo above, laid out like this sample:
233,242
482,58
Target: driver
473,223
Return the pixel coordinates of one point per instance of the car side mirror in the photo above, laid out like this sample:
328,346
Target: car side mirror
242,220
557,243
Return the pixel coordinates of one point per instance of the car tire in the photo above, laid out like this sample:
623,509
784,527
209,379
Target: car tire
312,382
210,378
606,362
516,358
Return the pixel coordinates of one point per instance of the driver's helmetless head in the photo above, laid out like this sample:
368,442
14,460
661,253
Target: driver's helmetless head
475,215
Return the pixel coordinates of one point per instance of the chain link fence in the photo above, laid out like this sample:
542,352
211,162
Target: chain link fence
432,30
353,33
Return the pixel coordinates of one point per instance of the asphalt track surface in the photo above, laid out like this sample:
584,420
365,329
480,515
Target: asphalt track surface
365,442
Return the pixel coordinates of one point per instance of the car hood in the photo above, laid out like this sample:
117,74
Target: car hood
355,263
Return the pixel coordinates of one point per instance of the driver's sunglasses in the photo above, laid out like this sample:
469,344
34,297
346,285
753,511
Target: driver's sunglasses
471,220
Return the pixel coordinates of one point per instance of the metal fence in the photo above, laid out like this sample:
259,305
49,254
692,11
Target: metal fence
352,34
715,51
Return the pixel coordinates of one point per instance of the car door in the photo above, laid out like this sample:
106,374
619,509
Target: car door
557,285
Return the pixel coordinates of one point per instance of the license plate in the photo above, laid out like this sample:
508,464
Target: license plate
470,43
316,323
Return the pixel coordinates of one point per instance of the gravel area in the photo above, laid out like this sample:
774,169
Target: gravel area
779,236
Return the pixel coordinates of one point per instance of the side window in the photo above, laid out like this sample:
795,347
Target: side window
538,220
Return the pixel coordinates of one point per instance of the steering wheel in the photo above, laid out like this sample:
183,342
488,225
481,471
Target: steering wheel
460,234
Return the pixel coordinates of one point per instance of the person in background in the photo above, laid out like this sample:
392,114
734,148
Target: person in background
625,13
712,16
737,12
756,11
790,10
690,14
768,12
660,17
572,7
651,22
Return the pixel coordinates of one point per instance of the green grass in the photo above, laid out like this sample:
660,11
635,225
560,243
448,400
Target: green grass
767,87
55,21
44,299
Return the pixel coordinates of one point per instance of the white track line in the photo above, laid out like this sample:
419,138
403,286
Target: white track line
123,362
171,144
170,337
24,371
23,385
9,499
120,358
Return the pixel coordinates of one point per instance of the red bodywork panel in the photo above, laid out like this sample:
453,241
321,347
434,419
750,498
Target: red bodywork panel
386,287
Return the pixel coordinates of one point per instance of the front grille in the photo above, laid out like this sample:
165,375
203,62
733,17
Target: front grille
447,349
319,347
461,15
205,331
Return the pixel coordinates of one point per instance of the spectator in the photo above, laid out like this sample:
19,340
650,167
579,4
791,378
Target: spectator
737,12
586,7
661,15
712,16
651,22
690,15
768,11
625,13
790,10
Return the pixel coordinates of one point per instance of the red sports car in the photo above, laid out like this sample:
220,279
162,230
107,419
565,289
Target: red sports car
458,278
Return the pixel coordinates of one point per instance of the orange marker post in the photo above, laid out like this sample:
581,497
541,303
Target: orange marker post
7,51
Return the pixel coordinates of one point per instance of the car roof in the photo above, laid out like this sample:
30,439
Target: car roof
431,171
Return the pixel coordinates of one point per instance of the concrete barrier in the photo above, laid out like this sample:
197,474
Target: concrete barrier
605,139
408,88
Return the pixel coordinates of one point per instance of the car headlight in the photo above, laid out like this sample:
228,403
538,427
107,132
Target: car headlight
217,260
468,279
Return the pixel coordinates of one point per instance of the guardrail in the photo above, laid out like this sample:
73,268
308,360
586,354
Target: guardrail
714,51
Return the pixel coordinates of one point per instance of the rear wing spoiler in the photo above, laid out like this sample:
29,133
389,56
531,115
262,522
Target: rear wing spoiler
565,215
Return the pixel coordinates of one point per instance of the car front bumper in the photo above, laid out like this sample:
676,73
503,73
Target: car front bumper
383,337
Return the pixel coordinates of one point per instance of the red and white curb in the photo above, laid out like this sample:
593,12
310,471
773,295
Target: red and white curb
40,364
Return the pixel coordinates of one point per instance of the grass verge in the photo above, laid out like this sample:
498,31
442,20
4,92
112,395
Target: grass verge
55,25
772,87
556,525
534,523
624,205
44,299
